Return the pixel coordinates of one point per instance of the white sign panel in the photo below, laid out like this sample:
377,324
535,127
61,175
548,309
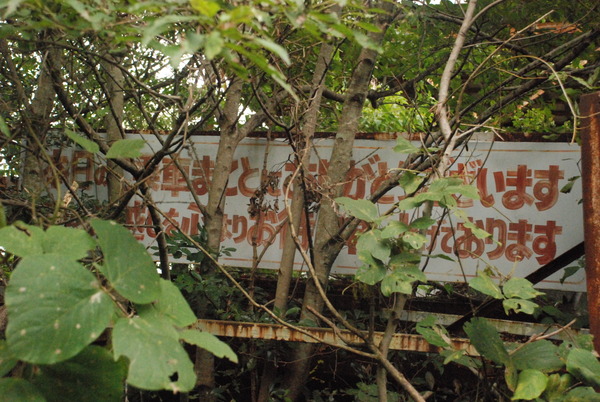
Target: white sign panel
521,204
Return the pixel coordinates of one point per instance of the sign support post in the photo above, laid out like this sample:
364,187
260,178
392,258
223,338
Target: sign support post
590,166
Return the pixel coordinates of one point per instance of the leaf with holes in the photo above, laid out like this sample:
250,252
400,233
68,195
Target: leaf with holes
127,265
210,343
55,308
157,359
92,375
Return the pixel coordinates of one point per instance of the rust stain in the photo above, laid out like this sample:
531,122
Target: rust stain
590,175
278,332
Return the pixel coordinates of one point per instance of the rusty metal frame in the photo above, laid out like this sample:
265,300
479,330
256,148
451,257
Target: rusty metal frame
250,330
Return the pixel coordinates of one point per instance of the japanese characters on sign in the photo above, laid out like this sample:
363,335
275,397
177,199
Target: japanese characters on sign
520,204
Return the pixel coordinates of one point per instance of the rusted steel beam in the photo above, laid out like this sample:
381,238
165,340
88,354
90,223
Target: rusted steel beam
279,332
590,175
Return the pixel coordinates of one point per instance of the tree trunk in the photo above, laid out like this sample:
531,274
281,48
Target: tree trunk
327,245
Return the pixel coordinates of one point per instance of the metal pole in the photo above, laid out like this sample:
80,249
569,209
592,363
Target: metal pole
590,166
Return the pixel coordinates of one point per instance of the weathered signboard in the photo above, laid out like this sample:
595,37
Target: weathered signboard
521,204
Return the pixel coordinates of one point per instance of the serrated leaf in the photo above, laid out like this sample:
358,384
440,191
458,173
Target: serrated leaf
393,229
127,148
361,209
410,182
127,265
18,389
210,343
531,385
486,340
173,305
485,285
155,354
520,288
585,366
540,355
404,146
55,307
83,142
371,242
7,360
92,375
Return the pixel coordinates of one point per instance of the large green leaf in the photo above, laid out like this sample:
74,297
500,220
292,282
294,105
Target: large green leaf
520,288
55,307
92,375
404,146
127,148
7,360
157,359
86,144
361,209
414,239
173,305
581,394
18,389
372,271
585,366
540,355
487,340
22,240
400,280
531,385
26,240
432,332
485,285
210,343
127,265
393,230
372,242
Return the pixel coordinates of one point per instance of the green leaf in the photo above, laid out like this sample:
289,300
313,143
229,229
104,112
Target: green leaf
520,288
18,389
55,307
127,265
4,129
431,332
210,343
92,375
208,8
371,242
213,45
409,203
404,259
404,146
157,359
371,272
173,305
476,231
585,366
127,148
485,285
519,306
361,209
540,355
581,394
486,340
531,385
422,223
393,229
274,48
400,280
22,240
415,240
68,242
467,190
410,182
83,142
7,360
557,386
